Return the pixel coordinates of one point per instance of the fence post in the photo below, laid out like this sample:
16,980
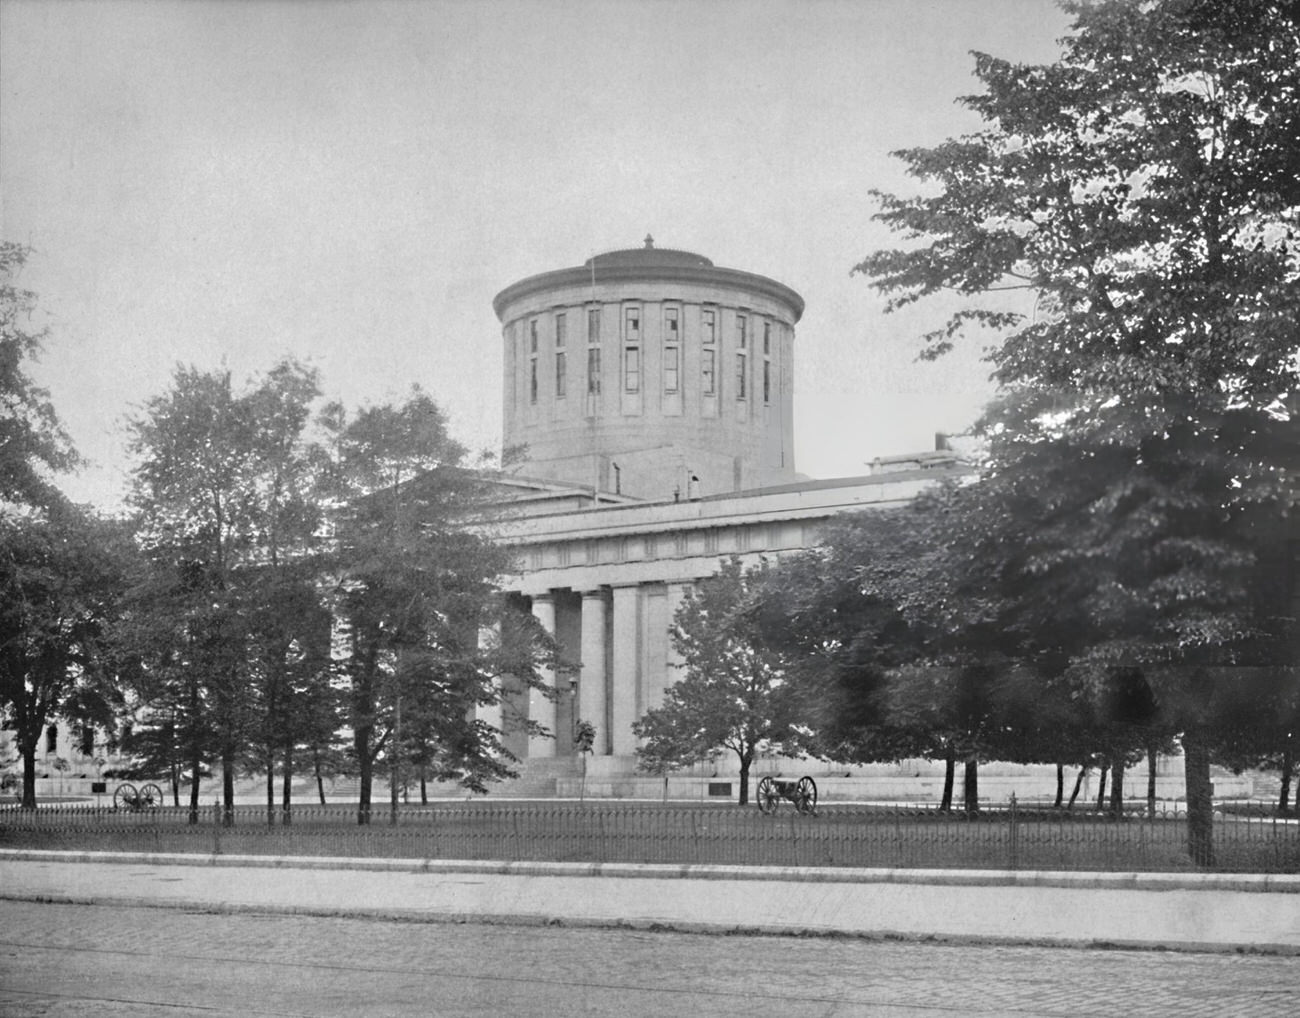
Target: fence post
1014,835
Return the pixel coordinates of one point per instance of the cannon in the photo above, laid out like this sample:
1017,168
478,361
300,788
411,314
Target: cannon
803,793
127,796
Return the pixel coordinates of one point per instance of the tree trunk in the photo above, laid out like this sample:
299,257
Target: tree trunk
270,789
949,778
195,778
1152,760
1078,785
1288,766
176,784
228,785
1200,799
1101,786
1060,786
320,779
970,786
28,750
745,760
1117,787
424,788
365,774
286,786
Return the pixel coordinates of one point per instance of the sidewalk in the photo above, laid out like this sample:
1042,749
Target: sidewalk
1209,912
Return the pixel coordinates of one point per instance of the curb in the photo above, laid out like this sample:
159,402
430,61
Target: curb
1276,883
720,928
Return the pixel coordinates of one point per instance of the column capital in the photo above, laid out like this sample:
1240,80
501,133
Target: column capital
595,592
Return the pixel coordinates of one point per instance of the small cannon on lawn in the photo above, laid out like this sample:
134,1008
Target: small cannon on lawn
127,796
803,793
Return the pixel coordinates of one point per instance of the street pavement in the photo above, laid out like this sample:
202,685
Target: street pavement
1183,912
114,961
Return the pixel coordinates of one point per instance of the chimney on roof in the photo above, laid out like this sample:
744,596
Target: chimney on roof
649,241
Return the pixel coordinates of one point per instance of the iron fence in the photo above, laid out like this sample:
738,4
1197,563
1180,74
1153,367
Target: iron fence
861,836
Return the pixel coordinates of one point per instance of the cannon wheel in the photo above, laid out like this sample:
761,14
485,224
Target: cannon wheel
806,791
151,797
124,797
767,796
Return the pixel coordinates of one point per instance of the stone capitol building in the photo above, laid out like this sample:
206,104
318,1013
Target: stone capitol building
651,395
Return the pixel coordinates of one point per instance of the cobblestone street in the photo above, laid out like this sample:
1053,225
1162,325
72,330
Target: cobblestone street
75,961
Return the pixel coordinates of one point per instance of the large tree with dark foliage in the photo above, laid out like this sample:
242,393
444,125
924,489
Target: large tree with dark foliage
61,576
60,566
424,636
1146,189
227,521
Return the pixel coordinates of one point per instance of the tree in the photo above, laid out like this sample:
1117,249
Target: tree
1145,189
226,524
736,695
847,611
32,440
61,575
414,594
58,564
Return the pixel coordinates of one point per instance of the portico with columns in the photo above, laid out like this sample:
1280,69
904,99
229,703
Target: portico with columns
607,581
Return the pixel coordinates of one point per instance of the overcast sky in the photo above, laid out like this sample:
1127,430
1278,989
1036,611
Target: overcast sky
352,183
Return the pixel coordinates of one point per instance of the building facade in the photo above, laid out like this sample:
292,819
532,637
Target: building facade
649,398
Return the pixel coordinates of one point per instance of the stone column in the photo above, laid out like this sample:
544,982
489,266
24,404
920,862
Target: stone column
541,709
626,678
591,683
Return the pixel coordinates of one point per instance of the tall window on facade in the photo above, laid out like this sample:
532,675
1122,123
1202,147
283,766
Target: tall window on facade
632,349
672,349
532,361
742,355
560,330
593,325
632,369
767,362
708,354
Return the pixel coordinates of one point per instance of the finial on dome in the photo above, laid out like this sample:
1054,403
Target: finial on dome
649,241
